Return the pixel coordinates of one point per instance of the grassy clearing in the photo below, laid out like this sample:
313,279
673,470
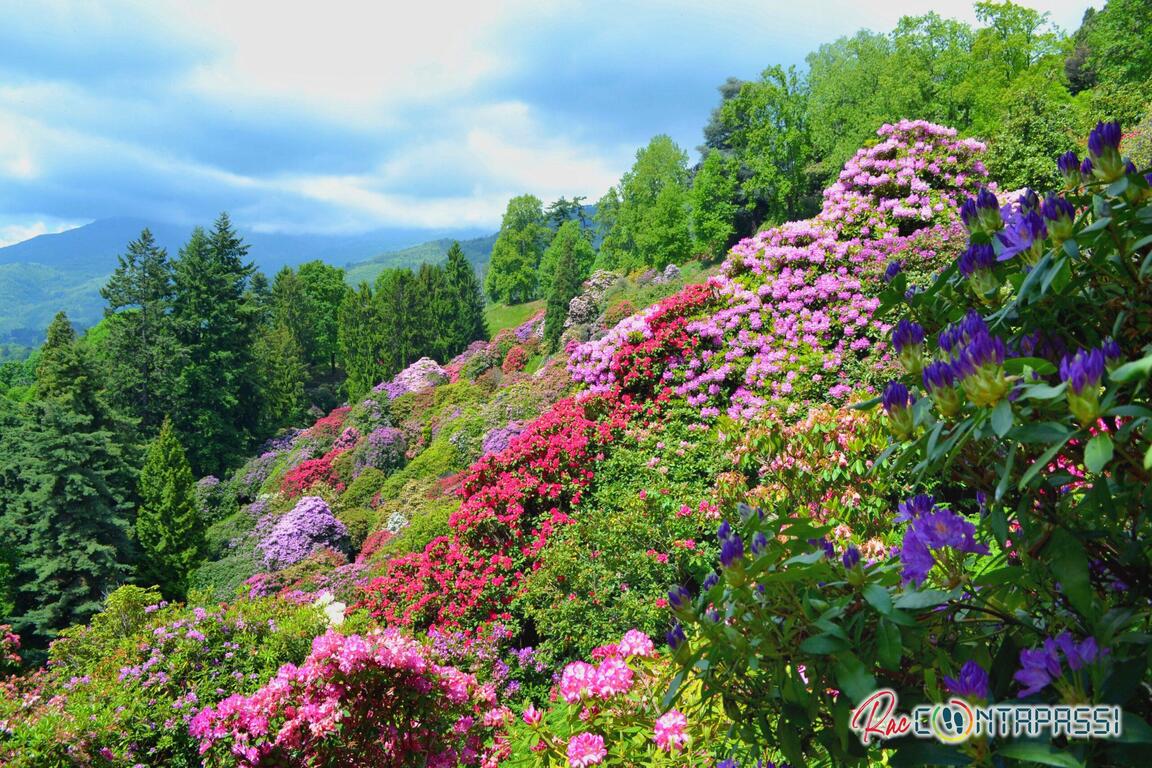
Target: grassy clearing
501,316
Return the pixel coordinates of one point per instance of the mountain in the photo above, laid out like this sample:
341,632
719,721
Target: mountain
477,250
64,271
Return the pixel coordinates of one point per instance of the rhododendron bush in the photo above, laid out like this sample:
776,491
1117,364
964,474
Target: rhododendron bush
374,699
1021,557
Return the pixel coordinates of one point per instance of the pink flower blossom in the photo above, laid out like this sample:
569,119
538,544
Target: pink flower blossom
613,677
670,730
577,680
585,749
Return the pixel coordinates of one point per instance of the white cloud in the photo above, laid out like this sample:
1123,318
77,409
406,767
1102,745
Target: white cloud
26,229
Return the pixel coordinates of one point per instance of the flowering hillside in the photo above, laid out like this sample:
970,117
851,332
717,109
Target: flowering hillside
903,445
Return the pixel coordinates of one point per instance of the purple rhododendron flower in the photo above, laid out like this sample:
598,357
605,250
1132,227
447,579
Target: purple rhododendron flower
972,682
309,526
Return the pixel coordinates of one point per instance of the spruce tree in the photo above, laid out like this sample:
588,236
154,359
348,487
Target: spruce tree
434,322
569,240
167,527
362,341
466,298
218,407
565,285
282,377
63,516
66,373
140,349
293,308
401,308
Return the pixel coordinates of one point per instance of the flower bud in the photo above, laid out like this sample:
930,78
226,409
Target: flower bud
940,382
1069,166
898,405
908,341
1083,373
1104,147
1059,214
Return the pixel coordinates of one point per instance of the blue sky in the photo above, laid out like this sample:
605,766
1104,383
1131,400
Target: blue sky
347,116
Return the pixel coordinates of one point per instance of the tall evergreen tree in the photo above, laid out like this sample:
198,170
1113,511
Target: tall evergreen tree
218,408
140,348
167,528
282,377
362,342
565,285
434,321
516,254
64,516
401,307
325,285
293,308
466,297
67,374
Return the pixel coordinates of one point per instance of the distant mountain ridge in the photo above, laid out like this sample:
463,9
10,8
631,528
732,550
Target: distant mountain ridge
65,270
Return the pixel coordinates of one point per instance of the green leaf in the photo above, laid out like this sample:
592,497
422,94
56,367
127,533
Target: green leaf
878,598
888,648
1017,365
1135,730
1118,187
1137,369
1039,752
1002,418
853,677
866,405
929,598
823,644
1069,566
1043,391
1098,452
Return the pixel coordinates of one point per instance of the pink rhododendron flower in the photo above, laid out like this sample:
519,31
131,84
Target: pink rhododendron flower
577,680
585,749
636,643
613,676
670,730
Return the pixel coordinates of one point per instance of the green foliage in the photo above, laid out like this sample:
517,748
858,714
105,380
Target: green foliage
568,260
466,317
280,362
713,208
650,225
218,407
401,299
362,342
220,579
359,522
516,255
430,523
168,528
140,350
325,288
67,374
1036,128
63,514
570,241
361,490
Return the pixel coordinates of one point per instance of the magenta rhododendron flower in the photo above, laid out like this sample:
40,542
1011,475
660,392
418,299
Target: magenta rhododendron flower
613,677
577,680
636,643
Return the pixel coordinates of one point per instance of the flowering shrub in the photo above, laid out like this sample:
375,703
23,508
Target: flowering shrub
312,472
382,449
375,699
513,502
122,691
610,712
419,376
796,302
499,438
9,649
325,430
1022,563
515,360
309,526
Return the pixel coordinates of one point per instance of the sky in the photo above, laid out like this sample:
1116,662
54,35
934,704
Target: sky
337,116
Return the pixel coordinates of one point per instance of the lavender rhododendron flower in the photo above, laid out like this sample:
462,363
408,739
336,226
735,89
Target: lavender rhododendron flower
309,526
971,683
1040,667
1023,235
1083,373
932,528
383,448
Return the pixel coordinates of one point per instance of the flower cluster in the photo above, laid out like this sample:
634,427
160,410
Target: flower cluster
309,526
365,699
932,529
383,448
421,375
1041,667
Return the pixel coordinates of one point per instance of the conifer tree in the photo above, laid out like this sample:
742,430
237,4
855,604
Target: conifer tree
140,349
571,240
466,297
362,341
167,527
434,319
325,285
63,516
400,308
565,285
67,374
218,409
282,377
294,309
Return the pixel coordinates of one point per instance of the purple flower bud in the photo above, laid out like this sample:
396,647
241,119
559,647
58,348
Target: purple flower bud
676,636
724,531
711,580
759,543
986,200
978,256
1112,352
1055,208
1104,137
825,545
1068,163
1130,167
907,334
731,550
968,212
1086,167
971,683
895,267
896,397
1029,200
938,375
851,557
1083,371
973,325
678,597
918,506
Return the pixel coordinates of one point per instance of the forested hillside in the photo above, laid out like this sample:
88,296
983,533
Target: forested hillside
858,401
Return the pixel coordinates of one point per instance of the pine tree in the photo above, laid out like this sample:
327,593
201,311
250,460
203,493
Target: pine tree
362,341
218,407
401,306
63,515
466,297
66,373
565,285
433,324
167,527
282,377
293,308
140,349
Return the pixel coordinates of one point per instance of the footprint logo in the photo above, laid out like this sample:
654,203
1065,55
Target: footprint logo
952,722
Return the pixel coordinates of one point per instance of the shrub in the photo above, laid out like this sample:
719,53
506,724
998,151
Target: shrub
309,526
618,311
358,522
515,360
382,449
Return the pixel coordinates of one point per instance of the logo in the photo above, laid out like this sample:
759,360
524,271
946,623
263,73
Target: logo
956,720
